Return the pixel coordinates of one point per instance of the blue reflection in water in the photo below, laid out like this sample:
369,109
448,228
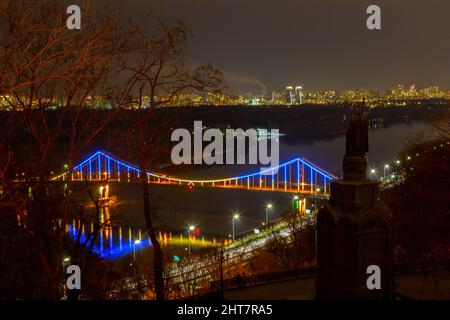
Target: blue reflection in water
114,250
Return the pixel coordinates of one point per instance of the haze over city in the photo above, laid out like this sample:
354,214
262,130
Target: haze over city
321,45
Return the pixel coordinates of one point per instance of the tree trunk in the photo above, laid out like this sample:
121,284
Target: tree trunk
158,265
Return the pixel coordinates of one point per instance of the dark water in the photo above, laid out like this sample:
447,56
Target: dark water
212,209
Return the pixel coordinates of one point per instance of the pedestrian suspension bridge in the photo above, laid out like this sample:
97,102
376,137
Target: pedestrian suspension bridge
295,176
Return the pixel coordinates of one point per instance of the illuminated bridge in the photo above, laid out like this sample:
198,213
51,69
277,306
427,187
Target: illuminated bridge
295,176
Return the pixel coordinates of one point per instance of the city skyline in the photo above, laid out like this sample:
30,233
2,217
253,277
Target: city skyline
290,95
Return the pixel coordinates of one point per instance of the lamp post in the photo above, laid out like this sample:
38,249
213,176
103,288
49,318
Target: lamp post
65,262
190,229
294,200
269,206
315,197
371,172
386,166
235,217
136,242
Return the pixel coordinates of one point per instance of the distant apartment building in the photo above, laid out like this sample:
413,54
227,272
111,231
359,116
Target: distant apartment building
294,96
298,94
277,97
289,94
4,100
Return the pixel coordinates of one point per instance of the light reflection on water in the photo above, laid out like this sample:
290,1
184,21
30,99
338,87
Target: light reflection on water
106,246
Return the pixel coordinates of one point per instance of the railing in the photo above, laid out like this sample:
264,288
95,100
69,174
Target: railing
265,278
279,276
421,266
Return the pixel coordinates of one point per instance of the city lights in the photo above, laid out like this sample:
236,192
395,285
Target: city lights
398,95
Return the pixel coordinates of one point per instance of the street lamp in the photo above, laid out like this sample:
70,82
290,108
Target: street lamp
136,242
386,166
315,197
191,228
371,172
294,201
235,217
269,206
66,262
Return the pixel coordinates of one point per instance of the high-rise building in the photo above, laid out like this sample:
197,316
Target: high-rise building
289,94
277,97
298,94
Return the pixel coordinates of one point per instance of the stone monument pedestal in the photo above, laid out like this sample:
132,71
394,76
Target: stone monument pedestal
353,232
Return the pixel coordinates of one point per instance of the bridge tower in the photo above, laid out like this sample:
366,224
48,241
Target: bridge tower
354,228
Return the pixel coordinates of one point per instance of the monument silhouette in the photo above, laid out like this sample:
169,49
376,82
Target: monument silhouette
354,228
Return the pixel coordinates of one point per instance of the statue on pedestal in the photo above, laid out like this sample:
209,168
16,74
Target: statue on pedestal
357,137
356,147
354,228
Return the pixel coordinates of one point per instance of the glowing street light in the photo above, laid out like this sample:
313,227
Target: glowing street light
235,217
294,202
190,228
315,197
65,262
268,206
386,166
371,172
136,243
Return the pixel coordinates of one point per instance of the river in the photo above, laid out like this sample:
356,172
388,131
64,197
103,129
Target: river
212,209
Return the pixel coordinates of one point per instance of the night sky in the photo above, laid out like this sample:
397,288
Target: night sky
320,44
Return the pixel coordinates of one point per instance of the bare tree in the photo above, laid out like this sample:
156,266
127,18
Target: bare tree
161,75
293,245
49,75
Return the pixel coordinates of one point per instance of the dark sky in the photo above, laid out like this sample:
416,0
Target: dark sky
321,44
